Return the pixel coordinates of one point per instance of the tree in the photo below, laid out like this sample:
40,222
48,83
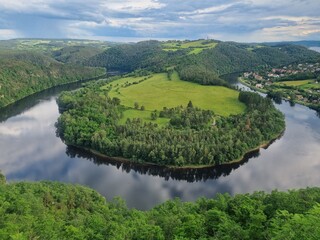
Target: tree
154,115
2,179
136,105
190,105
116,101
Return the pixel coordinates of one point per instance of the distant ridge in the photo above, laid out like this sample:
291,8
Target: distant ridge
305,43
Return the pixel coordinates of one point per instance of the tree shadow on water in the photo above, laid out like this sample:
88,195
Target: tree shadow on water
185,174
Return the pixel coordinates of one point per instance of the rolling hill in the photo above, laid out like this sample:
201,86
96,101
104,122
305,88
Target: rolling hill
201,61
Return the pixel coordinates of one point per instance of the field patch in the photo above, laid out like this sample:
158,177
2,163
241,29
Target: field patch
156,91
195,47
296,83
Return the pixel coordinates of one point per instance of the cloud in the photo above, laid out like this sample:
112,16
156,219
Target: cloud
229,20
9,34
208,10
132,5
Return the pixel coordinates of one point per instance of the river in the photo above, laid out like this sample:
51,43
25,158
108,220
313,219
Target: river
31,151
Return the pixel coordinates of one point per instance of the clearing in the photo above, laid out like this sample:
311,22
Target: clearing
195,47
156,91
301,84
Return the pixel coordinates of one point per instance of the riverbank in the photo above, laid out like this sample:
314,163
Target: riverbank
241,80
53,86
295,101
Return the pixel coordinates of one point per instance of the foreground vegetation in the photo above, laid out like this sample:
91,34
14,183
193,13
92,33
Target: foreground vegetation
51,210
188,135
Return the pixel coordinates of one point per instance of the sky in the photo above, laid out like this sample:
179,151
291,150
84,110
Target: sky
134,20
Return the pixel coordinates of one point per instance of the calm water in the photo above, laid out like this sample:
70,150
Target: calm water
31,151
317,49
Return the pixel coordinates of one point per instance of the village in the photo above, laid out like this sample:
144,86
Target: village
296,82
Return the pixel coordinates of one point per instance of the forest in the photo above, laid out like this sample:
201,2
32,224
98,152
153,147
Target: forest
51,210
193,137
23,73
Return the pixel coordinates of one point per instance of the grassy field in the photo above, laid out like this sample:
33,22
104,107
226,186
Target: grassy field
157,91
195,47
144,115
296,83
254,47
301,84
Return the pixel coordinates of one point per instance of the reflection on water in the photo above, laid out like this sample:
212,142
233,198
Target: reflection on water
188,174
31,151
317,49
30,101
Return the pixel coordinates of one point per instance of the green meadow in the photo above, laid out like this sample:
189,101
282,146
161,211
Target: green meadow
301,84
296,83
157,91
195,47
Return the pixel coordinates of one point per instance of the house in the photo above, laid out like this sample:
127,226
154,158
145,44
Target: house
257,77
299,97
247,74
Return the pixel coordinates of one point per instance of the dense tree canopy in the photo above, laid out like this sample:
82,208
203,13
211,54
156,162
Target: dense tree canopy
50,210
24,73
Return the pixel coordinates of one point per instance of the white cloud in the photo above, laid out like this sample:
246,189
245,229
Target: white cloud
298,19
132,5
232,20
290,31
208,10
271,34
9,34
30,6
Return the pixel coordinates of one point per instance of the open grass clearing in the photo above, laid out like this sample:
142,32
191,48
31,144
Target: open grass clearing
311,86
157,91
296,83
144,115
195,47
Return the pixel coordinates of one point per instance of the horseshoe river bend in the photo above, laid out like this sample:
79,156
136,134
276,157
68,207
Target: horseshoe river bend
31,151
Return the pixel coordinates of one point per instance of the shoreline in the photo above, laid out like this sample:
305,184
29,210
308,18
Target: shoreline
240,79
263,145
58,85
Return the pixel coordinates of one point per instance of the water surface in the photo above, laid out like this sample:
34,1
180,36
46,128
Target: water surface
31,151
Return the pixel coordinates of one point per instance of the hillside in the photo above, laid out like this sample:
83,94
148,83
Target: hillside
23,73
129,57
76,54
305,43
50,210
208,59
49,45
